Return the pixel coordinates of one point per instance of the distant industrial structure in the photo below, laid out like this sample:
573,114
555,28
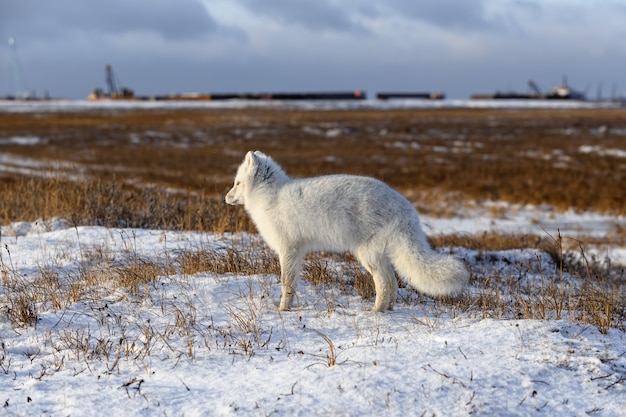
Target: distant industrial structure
559,92
113,90
116,92
405,95
20,90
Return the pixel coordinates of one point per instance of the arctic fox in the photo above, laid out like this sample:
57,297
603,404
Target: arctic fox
342,213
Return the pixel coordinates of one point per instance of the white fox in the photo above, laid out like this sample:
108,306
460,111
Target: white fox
349,213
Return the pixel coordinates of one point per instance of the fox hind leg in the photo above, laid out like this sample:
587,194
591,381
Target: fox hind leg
393,287
384,278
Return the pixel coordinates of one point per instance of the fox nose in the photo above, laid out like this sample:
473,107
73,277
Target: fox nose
230,199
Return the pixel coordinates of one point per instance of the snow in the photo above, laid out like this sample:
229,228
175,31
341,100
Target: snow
13,164
84,105
214,344
617,153
525,219
22,140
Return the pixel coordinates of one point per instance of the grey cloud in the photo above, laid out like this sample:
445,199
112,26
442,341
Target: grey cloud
174,19
450,14
311,14
347,15
177,45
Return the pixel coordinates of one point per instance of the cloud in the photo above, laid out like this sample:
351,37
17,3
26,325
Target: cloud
316,15
181,19
450,14
458,46
349,15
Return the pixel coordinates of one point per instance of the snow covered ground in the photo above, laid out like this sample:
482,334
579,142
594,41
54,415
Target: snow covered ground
212,344
78,105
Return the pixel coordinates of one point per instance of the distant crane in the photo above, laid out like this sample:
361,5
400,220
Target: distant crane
113,91
110,77
20,91
534,87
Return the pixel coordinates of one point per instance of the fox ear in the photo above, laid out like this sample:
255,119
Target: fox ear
250,159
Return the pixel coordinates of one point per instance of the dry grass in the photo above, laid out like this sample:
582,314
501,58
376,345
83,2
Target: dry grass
530,156
114,204
169,170
552,285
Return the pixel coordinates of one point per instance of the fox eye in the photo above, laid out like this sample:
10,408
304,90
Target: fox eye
237,183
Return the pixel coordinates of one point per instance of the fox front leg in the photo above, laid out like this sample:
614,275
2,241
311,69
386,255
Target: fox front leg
290,268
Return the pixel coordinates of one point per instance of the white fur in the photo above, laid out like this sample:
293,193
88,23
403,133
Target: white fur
360,215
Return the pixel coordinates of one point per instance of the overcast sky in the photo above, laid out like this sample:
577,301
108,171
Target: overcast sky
458,47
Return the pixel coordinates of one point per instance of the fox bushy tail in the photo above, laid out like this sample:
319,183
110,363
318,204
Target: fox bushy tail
424,269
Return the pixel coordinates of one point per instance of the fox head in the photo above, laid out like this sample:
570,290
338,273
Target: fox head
243,180
257,171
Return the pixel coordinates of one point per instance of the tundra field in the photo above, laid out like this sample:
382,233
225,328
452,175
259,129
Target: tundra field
442,160
127,281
